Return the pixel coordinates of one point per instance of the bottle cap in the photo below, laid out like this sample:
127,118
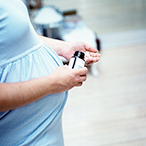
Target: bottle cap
79,54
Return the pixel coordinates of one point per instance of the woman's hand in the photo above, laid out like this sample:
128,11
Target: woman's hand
63,78
91,54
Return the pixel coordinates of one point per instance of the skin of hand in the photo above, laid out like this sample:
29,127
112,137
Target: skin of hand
91,54
68,78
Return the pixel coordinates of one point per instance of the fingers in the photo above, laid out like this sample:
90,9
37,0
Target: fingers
79,84
91,54
80,75
90,48
88,62
90,57
81,72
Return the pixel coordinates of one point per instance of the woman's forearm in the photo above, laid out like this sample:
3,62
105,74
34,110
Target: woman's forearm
57,45
14,95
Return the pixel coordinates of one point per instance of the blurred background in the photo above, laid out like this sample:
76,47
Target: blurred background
110,108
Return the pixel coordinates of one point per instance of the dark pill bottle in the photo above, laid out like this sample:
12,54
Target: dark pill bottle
77,60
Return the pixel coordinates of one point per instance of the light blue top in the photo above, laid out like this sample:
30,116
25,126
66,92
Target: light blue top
23,57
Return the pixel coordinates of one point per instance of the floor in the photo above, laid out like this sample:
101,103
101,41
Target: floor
110,110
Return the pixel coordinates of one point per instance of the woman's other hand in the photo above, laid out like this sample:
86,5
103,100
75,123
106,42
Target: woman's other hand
64,78
91,54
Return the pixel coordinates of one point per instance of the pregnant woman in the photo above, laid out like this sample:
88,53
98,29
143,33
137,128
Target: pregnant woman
33,80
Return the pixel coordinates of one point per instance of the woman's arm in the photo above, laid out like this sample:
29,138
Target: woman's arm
14,95
56,45
67,49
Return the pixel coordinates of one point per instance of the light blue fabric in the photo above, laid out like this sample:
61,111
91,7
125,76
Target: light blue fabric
23,57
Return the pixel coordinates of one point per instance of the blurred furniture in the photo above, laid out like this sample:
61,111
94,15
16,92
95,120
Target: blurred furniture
48,22
74,29
33,4
67,26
